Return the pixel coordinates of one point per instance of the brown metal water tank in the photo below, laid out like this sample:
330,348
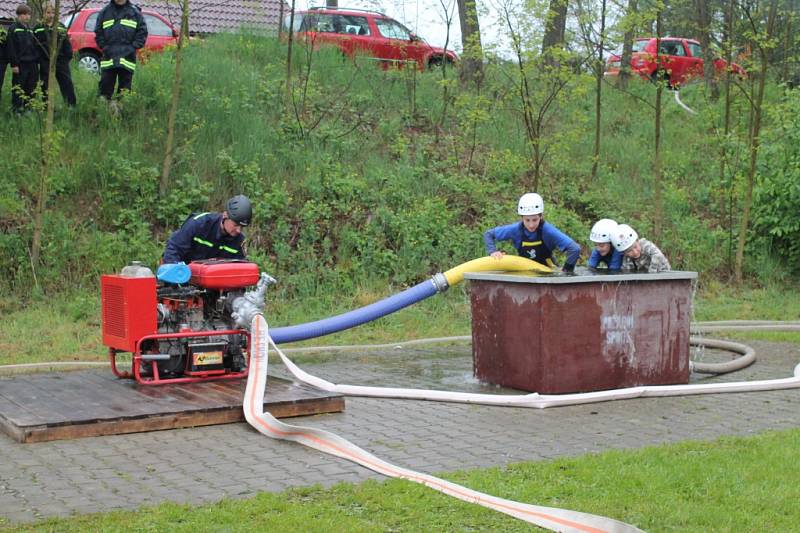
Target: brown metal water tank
562,334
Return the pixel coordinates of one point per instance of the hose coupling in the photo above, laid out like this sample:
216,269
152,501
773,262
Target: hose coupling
440,282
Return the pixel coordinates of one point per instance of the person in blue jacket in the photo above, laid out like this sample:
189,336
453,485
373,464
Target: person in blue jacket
603,251
532,236
211,235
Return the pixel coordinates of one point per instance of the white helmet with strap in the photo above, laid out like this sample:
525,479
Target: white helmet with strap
602,230
530,204
624,237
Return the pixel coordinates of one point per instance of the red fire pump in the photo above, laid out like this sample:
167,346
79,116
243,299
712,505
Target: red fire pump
183,333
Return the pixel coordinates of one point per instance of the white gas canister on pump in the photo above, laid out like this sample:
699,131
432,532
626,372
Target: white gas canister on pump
136,270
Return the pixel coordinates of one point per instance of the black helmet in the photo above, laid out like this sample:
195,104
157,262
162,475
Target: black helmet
239,209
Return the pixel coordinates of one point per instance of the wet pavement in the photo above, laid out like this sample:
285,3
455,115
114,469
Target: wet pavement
206,464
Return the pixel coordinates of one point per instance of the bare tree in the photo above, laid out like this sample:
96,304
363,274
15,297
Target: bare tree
289,58
447,14
595,43
49,142
539,84
176,90
629,20
658,202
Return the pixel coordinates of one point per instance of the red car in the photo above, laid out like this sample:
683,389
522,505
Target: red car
368,33
160,33
682,59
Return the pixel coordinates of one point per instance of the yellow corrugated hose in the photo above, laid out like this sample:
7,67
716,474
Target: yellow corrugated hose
507,263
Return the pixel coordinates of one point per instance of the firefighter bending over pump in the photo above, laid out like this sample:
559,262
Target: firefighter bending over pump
211,235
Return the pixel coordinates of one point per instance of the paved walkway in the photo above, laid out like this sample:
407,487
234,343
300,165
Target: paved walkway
206,464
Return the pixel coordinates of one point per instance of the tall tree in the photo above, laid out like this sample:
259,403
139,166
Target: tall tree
661,80
629,21
49,139
472,56
703,8
598,73
176,91
763,41
728,46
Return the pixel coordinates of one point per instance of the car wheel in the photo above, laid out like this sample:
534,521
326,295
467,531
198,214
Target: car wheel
89,62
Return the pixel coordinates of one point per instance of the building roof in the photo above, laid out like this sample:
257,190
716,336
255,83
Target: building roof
205,16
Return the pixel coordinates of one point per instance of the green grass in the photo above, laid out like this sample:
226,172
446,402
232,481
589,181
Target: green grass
731,484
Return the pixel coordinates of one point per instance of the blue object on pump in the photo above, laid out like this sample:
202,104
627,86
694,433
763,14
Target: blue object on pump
175,273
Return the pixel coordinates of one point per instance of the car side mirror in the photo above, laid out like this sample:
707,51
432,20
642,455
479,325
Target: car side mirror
413,37
175,33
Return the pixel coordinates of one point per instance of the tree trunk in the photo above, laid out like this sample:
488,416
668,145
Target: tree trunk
598,90
280,20
163,185
627,45
49,144
726,131
658,207
703,31
289,60
472,56
754,143
555,26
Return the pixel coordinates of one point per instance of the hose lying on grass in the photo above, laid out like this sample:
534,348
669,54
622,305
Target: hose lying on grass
330,443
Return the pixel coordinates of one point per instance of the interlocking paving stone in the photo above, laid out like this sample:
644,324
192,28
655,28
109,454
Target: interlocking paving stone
200,465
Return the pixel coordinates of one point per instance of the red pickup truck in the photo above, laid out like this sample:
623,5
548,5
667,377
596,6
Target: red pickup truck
682,59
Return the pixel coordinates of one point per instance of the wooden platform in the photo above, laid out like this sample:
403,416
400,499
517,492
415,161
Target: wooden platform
88,403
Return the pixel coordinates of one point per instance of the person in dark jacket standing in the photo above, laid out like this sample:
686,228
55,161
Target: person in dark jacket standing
23,53
211,235
120,31
44,32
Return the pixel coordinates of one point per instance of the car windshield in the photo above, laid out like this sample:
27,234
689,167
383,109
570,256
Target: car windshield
640,45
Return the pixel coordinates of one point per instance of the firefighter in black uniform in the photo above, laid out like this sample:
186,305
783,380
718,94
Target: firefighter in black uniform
120,31
43,32
211,235
23,53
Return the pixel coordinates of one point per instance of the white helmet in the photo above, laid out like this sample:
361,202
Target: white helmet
530,204
624,237
602,230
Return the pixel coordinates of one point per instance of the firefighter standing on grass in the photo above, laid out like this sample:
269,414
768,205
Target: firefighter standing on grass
23,53
43,32
120,31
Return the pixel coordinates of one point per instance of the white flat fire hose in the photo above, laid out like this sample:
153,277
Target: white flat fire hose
324,441
541,401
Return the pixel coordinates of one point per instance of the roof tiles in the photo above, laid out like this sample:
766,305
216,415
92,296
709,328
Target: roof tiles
205,16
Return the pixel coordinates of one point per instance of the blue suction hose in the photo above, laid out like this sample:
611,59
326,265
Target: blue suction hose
393,303
437,283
